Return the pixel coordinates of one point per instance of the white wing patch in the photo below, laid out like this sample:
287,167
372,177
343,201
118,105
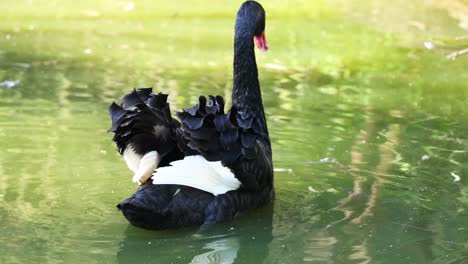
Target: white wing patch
132,158
142,165
148,163
197,172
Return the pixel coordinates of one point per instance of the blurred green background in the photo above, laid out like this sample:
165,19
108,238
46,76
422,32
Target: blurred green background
367,116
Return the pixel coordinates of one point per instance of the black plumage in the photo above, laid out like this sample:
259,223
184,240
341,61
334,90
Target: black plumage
144,123
238,138
206,130
165,206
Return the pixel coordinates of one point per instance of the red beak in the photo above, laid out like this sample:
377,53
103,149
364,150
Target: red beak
261,42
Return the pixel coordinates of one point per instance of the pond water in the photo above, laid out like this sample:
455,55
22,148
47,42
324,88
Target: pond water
367,118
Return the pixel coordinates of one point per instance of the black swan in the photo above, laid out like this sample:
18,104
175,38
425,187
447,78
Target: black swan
212,165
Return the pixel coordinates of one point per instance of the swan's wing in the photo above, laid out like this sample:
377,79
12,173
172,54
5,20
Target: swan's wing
195,171
227,137
144,131
256,173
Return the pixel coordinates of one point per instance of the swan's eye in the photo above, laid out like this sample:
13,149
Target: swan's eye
261,42
260,24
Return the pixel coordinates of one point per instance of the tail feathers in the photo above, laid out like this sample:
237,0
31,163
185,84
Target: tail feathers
145,208
142,217
143,124
165,206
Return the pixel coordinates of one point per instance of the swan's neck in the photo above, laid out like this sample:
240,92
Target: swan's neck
246,95
246,91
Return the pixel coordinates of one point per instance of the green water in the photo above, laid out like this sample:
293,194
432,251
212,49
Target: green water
351,81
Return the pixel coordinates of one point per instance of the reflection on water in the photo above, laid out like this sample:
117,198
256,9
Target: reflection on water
387,114
221,251
239,241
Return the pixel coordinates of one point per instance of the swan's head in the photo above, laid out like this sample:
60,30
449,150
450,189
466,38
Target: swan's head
251,18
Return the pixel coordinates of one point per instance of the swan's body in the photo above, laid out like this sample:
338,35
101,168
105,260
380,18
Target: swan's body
211,166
